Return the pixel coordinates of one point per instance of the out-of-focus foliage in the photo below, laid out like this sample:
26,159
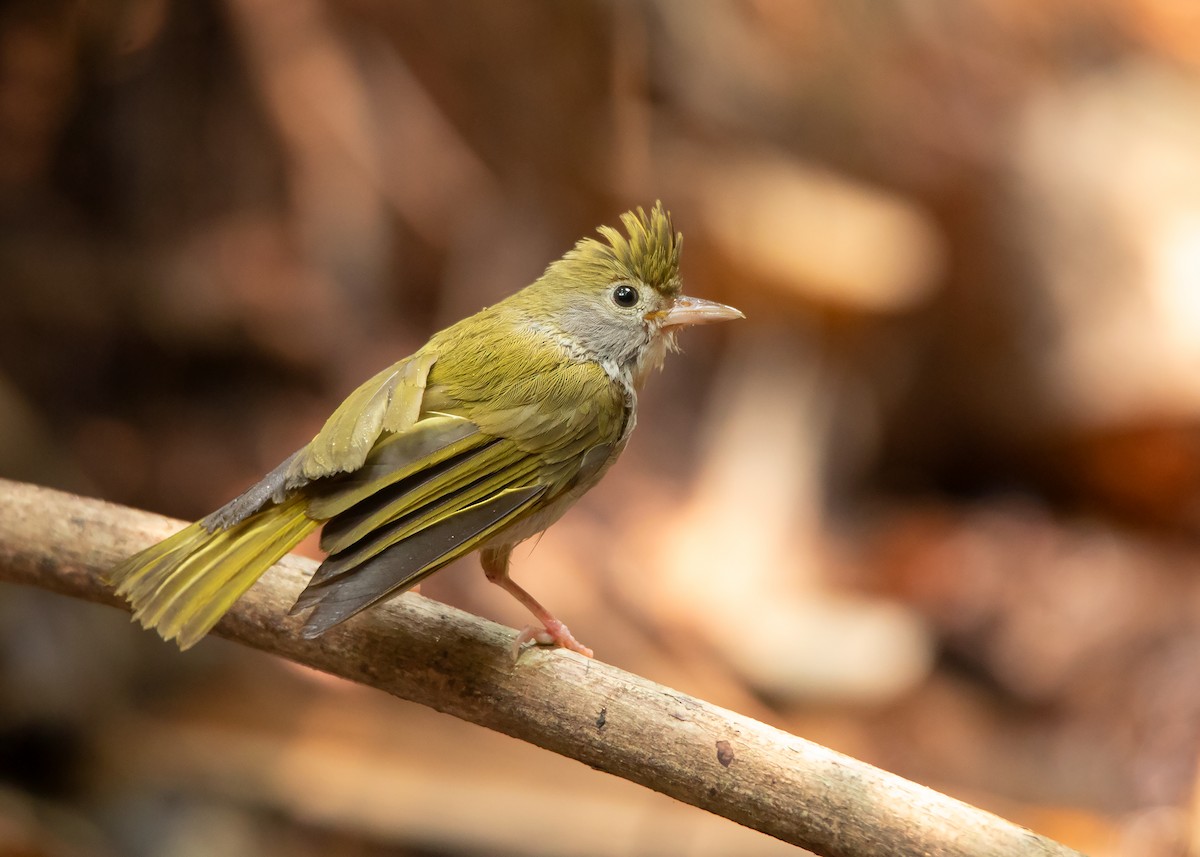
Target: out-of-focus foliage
934,504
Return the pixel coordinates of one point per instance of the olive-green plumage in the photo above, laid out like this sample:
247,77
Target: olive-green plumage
480,439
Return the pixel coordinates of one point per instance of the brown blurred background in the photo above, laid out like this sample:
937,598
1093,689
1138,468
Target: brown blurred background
935,504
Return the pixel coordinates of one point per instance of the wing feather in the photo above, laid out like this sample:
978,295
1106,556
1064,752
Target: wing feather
424,447
389,401
378,529
470,476
407,562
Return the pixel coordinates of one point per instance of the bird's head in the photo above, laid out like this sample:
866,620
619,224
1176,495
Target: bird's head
619,301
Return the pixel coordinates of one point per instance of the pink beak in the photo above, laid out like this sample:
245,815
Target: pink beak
687,311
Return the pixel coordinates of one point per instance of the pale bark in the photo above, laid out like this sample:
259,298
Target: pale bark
614,721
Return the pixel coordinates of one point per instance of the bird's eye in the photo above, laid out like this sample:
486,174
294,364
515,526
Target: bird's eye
625,296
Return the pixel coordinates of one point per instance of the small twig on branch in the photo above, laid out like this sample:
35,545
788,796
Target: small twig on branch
420,650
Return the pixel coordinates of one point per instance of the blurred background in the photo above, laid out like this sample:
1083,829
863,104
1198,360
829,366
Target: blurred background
934,504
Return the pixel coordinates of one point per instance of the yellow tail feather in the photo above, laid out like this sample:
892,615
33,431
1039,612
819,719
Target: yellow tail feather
184,584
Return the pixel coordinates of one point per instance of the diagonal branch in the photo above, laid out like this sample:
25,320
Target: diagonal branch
420,650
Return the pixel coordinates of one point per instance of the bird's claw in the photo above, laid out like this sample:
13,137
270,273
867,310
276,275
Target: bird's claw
554,633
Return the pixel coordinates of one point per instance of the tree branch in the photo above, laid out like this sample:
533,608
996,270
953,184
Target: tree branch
420,650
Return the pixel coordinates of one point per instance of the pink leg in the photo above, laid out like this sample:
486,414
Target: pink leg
552,632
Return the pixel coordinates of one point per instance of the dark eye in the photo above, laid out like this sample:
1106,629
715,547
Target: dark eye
625,296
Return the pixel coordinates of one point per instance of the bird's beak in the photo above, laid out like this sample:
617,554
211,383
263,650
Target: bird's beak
688,311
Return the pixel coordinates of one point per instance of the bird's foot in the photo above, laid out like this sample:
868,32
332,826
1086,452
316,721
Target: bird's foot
554,633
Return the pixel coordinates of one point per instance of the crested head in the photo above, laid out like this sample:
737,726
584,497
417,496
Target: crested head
615,301
648,253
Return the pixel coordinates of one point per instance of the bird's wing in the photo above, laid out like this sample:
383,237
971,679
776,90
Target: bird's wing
388,402
406,511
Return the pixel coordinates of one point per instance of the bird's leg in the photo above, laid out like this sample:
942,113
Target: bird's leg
552,632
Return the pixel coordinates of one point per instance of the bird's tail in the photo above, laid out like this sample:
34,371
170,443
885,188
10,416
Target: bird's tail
184,584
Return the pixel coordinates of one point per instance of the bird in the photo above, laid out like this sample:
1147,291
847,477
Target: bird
479,440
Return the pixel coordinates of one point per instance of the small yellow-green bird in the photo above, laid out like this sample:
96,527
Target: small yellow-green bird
481,439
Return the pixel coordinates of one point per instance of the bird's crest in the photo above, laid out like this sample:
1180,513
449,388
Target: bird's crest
649,254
